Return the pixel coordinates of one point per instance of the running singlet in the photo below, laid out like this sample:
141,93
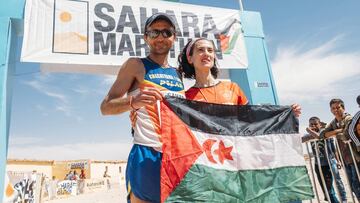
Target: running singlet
222,93
147,124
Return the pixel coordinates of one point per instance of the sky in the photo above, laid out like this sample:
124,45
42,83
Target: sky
314,49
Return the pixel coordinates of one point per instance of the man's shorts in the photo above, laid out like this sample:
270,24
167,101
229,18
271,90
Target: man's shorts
143,173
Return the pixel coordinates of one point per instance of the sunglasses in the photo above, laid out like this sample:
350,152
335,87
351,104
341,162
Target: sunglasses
166,33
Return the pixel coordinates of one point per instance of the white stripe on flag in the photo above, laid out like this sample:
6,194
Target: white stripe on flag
254,152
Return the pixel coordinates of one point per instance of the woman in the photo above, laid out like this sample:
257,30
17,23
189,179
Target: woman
198,61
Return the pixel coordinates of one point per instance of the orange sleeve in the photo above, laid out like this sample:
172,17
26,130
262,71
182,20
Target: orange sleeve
242,99
190,94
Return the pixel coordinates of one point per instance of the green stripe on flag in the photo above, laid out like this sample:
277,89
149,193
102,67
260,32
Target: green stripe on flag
206,184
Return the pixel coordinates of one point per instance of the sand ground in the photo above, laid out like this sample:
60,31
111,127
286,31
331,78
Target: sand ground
117,194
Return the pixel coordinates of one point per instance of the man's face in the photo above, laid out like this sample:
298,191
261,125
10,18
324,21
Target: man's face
337,110
160,45
314,125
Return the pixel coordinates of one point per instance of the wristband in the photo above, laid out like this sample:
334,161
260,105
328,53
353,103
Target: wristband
131,104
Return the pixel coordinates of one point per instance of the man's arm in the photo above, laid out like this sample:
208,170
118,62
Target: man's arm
311,136
129,76
329,131
333,133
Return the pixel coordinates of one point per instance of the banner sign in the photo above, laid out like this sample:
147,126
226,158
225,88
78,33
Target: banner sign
22,187
67,187
73,187
78,165
93,185
107,32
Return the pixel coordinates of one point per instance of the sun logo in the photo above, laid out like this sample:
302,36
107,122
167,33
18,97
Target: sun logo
65,16
71,28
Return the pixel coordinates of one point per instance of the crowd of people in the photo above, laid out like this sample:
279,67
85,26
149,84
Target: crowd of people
344,130
73,175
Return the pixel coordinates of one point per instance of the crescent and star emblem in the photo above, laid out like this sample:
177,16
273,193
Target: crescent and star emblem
223,153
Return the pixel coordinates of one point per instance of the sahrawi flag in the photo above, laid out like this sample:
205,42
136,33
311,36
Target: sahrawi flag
225,153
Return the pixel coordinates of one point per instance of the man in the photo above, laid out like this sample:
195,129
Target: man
338,127
358,128
107,178
352,127
69,175
315,127
81,182
146,81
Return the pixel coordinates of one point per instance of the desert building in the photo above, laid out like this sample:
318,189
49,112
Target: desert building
93,169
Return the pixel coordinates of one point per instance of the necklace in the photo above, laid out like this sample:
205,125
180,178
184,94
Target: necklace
162,66
215,95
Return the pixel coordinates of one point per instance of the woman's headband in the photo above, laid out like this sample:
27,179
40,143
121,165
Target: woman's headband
191,44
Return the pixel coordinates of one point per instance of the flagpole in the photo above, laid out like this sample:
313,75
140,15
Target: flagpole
241,5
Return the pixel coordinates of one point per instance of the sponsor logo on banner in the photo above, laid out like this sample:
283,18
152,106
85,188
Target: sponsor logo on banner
107,32
92,185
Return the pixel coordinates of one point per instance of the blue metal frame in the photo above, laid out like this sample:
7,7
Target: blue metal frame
256,81
6,76
9,11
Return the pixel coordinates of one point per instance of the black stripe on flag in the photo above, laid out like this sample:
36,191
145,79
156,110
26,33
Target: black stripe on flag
233,120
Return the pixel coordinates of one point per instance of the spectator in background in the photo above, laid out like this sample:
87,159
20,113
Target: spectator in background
352,127
33,176
338,127
75,176
315,127
53,188
69,175
107,177
81,182
82,174
357,132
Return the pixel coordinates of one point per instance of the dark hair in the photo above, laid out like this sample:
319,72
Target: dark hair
337,101
314,118
358,99
186,69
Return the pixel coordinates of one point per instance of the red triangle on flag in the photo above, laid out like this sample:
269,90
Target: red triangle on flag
180,150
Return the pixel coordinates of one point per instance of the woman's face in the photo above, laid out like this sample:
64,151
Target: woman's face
203,56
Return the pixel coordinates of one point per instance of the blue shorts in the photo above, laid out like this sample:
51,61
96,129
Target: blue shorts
143,173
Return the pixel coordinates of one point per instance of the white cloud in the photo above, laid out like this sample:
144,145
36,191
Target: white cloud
41,87
317,73
104,85
23,140
109,80
62,103
64,108
116,150
82,90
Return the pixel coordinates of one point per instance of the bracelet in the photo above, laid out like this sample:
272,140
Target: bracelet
131,103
